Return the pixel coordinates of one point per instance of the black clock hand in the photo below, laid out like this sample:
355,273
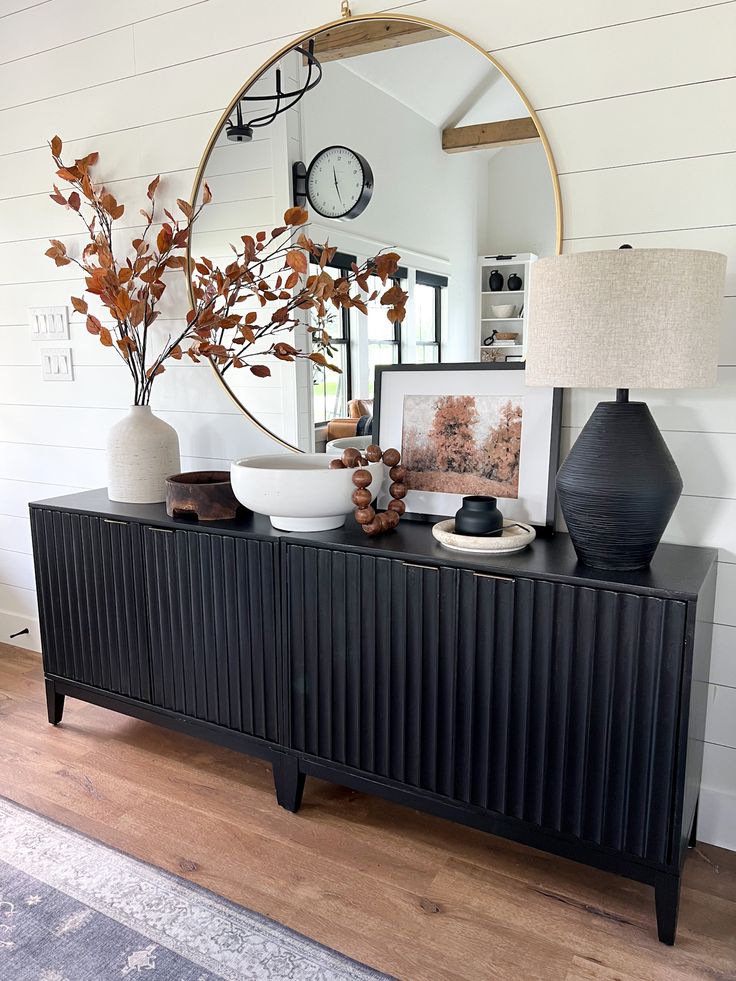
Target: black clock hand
337,186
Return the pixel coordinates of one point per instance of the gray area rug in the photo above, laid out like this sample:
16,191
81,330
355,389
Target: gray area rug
72,909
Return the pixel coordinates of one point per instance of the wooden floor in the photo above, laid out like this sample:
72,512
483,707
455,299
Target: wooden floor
412,895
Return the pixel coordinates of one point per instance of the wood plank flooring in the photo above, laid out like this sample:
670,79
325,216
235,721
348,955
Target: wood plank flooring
414,896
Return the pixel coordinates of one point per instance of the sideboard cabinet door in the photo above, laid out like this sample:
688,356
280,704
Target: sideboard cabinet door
568,708
371,663
213,628
89,572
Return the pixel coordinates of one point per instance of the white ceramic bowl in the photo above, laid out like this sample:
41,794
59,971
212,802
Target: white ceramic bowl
503,311
298,491
336,446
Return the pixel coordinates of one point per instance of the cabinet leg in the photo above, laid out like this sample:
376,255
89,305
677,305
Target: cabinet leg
667,902
54,703
693,840
289,782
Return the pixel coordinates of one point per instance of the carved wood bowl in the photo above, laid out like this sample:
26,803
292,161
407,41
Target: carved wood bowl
203,494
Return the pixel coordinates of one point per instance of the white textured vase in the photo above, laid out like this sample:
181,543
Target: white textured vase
142,451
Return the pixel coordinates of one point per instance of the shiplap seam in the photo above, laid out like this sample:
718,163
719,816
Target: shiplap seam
609,27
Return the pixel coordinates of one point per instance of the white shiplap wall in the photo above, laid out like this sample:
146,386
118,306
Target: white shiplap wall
637,98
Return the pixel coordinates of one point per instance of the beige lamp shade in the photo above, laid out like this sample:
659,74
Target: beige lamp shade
625,318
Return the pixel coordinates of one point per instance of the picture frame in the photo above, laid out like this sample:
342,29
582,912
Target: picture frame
467,429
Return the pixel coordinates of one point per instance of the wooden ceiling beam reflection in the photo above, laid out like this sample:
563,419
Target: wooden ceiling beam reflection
489,136
348,40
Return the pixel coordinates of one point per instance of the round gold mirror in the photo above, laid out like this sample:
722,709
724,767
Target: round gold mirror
396,135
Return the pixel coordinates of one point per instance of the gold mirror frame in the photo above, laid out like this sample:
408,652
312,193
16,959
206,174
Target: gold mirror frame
350,19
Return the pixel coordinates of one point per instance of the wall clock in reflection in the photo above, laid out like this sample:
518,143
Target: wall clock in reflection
337,184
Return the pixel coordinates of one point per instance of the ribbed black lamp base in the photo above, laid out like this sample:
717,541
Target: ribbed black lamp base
618,487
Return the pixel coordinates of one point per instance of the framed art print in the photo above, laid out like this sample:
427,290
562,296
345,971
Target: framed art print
467,429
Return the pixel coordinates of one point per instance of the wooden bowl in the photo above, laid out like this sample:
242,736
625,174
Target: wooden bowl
203,494
506,335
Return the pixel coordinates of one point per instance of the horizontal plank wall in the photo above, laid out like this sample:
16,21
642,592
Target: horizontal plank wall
636,98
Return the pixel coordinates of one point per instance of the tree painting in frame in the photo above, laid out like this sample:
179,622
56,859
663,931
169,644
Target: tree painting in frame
462,444
471,429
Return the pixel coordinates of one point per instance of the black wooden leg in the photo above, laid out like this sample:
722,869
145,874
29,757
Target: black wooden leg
667,901
288,780
54,703
693,840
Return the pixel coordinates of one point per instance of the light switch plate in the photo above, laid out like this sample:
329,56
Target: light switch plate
56,364
49,323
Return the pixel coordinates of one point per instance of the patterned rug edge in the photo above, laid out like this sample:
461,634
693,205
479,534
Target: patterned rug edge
54,872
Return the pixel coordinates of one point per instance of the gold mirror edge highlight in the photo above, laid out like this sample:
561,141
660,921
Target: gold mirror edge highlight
300,39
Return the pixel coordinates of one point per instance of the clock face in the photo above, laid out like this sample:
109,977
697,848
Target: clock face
339,183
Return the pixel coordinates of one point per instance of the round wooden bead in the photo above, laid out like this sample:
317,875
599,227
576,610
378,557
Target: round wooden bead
373,453
361,478
362,497
336,464
398,474
391,519
350,457
398,491
397,506
391,457
373,528
364,516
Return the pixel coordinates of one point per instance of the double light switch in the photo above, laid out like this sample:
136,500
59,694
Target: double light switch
52,324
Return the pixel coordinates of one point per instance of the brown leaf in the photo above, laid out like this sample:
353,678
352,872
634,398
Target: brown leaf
86,162
105,337
57,252
93,324
127,345
260,370
152,187
297,261
79,304
296,216
123,304
74,201
163,239
56,145
185,207
206,193
158,370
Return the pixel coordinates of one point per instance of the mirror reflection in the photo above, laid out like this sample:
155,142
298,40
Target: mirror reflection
395,137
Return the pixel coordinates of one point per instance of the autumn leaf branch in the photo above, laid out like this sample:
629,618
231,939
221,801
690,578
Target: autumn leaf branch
271,270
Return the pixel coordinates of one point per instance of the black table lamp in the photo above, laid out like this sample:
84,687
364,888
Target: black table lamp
621,319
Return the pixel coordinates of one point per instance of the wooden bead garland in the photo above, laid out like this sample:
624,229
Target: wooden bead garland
370,522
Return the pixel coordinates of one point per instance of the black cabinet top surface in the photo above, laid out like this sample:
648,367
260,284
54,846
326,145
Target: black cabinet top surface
676,571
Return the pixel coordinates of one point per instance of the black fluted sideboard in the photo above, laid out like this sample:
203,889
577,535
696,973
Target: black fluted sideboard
527,696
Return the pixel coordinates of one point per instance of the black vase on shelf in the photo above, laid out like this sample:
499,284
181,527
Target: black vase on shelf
479,516
514,282
495,281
